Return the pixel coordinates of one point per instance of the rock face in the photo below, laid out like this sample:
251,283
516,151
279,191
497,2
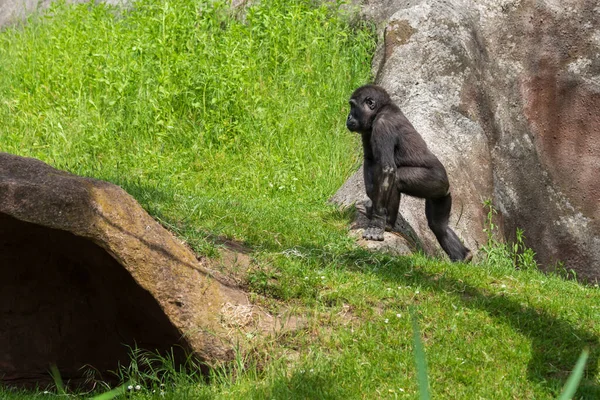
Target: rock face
12,11
507,94
84,270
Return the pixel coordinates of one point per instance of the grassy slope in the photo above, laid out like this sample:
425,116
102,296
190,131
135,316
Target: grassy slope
222,127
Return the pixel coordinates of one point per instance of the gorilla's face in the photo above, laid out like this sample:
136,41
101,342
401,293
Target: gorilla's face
364,105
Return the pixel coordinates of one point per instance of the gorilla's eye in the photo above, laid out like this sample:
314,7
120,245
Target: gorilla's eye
370,102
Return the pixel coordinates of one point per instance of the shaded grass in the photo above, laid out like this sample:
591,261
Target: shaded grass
488,332
223,124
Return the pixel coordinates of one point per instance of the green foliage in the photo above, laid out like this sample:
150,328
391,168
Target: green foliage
61,391
235,122
568,392
151,375
504,255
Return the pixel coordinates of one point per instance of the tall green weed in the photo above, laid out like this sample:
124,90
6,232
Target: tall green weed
232,119
505,255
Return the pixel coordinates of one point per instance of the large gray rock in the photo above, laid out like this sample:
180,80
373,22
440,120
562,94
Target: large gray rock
507,94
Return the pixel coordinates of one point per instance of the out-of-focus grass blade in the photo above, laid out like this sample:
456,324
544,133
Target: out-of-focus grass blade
420,360
55,374
112,393
575,377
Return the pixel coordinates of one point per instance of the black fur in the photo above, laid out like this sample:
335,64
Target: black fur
396,161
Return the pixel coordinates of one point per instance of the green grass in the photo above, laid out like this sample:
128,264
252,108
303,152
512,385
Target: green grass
231,124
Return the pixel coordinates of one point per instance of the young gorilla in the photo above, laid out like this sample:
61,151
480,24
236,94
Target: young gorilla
397,160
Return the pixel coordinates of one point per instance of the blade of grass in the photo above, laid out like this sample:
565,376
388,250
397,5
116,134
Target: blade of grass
55,374
420,360
112,393
575,377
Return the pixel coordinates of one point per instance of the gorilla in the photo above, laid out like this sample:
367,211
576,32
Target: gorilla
397,160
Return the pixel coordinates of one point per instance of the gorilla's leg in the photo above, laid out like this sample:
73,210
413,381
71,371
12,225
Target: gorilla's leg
393,208
424,183
368,205
438,213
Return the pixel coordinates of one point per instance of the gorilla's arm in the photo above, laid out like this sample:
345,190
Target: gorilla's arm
382,168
